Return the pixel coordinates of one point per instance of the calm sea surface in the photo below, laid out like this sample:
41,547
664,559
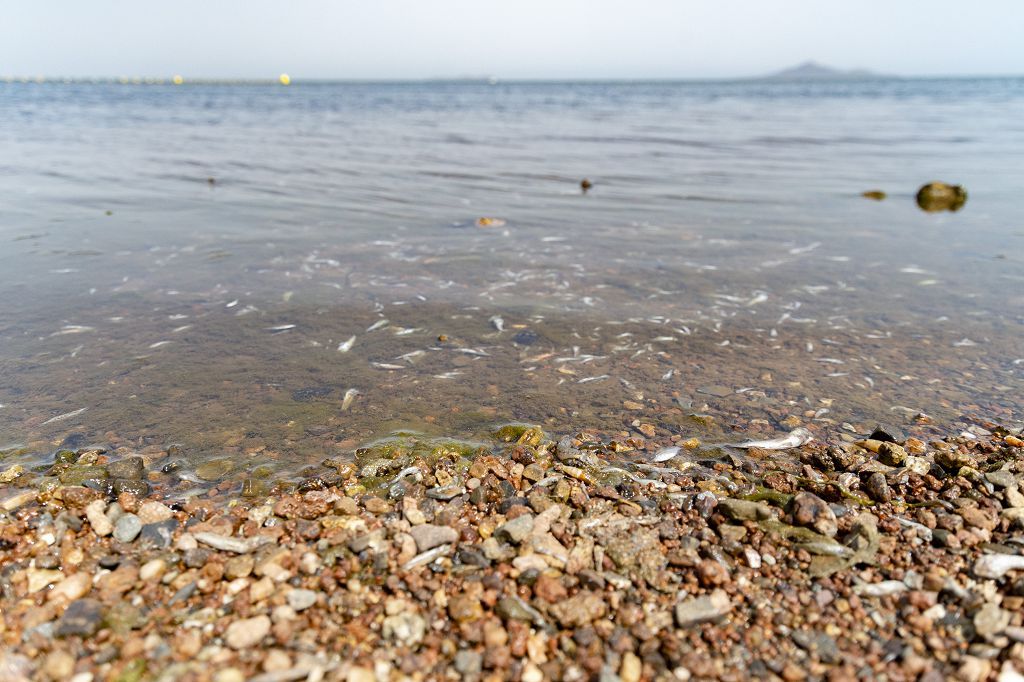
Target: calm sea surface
181,264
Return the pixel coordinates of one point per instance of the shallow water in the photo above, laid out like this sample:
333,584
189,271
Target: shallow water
724,262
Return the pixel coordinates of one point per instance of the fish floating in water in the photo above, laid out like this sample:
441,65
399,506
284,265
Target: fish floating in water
281,328
794,439
346,346
66,415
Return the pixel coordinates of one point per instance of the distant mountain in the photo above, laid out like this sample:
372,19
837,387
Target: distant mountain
812,71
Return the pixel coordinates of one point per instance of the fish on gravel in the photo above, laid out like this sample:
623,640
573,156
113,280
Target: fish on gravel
793,439
346,402
346,346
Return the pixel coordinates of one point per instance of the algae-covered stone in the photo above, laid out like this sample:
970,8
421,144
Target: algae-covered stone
80,475
524,434
938,196
215,469
131,468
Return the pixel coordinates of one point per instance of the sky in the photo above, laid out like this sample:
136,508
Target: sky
510,39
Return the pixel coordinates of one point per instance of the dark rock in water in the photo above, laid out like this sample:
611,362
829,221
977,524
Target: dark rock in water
132,468
80,475
876,194
888,433
304,395
877,488
65,456
81,619
73,441
525,338
810,511
158,534
123,485
938,196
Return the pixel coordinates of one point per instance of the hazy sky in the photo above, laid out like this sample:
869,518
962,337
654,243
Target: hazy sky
507,39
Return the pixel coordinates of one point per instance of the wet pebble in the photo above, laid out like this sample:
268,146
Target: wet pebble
429,536
127,528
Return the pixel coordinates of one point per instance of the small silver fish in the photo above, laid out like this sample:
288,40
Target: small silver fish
795,438
377,325
346,346
601,377
385,365
281,328
497,323
158,344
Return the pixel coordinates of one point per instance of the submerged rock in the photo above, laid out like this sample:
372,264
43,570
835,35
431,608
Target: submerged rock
938,196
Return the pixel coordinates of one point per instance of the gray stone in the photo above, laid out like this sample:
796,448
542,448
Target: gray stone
877,488
428,536
127,528
703,609
1001,478
990,620
300,600
744,510
131,468
158,534
81,619
516,530
469,663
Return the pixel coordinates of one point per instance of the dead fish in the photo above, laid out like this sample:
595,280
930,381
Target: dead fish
448,375
497,323
405,473
427,557
281,328
795,438
66,415
346,346
601,377
385,365
405,331
350,395
665,454
158,344
377,325
882,589
472,351
667,375
411,355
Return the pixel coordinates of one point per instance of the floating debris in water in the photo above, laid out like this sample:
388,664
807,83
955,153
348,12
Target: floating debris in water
795,438
73,329
346,346
875,194
490,222
65,416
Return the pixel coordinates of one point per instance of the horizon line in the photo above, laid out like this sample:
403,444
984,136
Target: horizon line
179,80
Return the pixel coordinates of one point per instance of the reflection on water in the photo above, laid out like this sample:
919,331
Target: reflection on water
333,283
